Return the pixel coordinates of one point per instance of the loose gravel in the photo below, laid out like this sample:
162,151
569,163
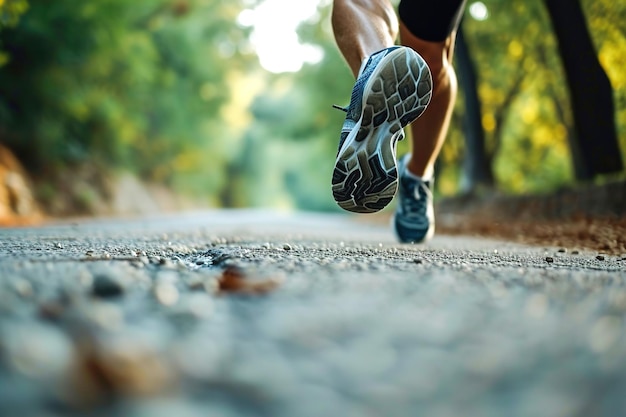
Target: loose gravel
227,315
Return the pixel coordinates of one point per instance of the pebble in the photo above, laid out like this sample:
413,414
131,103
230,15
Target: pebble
36,350
166,293
138,264
23,288
600,257
99,314
51,310
343,334
126,364
105,286
196,284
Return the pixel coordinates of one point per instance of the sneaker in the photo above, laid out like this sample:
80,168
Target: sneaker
414,219
393,88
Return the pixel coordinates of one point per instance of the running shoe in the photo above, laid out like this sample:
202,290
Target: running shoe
393,88
414,219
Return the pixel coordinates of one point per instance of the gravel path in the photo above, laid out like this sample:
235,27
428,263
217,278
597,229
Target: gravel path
260,314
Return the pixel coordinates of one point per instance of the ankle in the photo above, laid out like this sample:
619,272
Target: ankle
425,173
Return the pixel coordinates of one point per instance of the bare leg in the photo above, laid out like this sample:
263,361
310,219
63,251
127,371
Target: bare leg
428,133
362,27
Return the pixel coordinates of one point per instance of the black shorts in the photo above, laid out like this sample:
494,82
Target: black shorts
431,20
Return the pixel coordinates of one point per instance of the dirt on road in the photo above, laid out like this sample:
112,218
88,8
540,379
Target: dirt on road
592,217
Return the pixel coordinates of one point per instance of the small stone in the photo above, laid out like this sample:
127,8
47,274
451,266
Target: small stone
287,246
38,351
417,261
562,250
166,294
23,288
89,253
549,259
235,279
196,285
127,363
575,252
106,286
600,257
101,315
167,263
51,310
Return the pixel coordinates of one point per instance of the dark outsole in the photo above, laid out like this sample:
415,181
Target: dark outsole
365,178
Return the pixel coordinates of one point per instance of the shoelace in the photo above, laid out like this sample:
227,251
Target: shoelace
417,204
360,80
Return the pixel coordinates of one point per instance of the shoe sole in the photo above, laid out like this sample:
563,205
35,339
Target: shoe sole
365,177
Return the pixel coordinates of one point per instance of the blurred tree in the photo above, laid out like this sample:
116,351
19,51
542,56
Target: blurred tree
172,90
290,145
526,112
139,85
477,170
10,11
590,90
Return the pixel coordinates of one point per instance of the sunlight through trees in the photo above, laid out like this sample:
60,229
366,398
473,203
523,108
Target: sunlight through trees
174,92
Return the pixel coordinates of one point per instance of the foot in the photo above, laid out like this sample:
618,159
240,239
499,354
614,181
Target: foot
393,88
414,219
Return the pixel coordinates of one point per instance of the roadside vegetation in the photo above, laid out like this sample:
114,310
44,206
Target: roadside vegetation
173,93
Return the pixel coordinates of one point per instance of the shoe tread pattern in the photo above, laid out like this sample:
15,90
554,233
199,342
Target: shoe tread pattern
398,93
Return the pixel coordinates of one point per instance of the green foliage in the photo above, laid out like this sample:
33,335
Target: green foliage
289,147
122,84
606,21
171,91
10,11
527,115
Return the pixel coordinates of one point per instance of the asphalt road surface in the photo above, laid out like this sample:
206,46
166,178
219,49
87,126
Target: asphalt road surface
252,313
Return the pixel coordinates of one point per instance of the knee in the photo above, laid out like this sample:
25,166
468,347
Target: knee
438,55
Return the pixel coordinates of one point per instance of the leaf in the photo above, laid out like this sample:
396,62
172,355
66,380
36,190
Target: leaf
235,279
